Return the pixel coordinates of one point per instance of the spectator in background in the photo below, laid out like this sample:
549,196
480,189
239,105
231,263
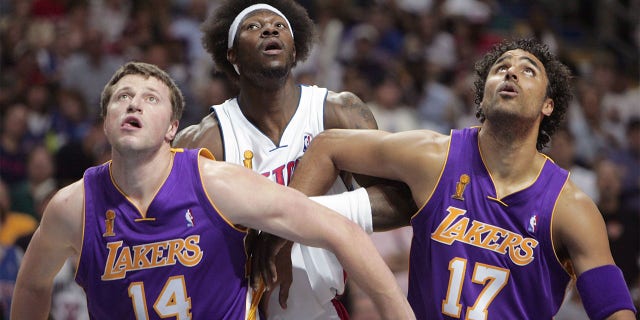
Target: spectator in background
13,151
437,105
89,69
623,227
323,64
39,100
13,224
562,151
585,122
28,195
10,259
110,16
185,27
388,108
69,121
628,160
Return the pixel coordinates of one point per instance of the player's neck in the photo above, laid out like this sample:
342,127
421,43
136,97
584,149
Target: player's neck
261,99
270,111
141,175
509,160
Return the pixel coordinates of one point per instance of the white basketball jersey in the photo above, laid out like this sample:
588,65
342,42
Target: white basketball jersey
317,275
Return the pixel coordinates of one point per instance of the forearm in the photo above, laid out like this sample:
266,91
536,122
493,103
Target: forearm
316,172
353,205
391,205
367,269
30,303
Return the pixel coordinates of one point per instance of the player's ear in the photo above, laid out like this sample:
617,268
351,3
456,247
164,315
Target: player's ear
547,107
172,130
231,56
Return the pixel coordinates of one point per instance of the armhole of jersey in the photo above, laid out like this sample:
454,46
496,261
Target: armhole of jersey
437,184
224,149
84,227
207,154
570,272
324,105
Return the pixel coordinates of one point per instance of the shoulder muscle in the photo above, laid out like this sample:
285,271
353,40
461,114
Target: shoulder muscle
345,110
205,134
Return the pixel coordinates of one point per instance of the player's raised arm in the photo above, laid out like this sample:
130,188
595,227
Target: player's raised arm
289,214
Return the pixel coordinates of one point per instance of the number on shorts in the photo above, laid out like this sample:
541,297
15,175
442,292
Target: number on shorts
492,277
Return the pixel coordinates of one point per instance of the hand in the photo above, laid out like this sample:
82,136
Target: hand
284,269
284,279
263,252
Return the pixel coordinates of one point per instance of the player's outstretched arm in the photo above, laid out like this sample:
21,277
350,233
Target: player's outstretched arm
53,242
407,157
248,199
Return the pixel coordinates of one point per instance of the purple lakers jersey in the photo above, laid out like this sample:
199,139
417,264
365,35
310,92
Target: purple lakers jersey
181,259
475,256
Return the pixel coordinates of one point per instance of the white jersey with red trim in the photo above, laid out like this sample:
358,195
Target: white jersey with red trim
317,275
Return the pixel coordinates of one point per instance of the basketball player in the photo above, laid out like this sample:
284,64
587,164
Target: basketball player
501,230
160,232
268,127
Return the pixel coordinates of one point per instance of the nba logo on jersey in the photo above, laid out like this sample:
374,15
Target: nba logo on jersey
533,223
307,141
189,217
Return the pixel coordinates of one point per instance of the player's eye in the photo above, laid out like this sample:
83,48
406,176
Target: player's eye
153,99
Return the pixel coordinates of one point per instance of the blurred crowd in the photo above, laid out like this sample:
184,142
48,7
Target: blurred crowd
411,61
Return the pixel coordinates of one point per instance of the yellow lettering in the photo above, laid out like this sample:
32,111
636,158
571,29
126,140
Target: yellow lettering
474,234
191,246
526,247
157,251
175,246
140,256
439,234
485,236
511,240
110,272
491,240
151,255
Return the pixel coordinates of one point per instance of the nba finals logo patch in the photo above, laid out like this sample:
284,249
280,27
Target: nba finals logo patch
307,141
533,224
110,217
189,217
460,186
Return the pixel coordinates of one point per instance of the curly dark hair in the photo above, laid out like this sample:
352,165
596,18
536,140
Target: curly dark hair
559,88
216,29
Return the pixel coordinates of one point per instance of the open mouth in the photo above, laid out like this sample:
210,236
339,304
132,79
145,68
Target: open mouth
131,122
508,89
272,46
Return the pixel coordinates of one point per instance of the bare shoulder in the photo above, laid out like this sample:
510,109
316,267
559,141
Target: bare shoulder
222,175
421,143
575,208
347,111
69,198
205,134
63,217
579,232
